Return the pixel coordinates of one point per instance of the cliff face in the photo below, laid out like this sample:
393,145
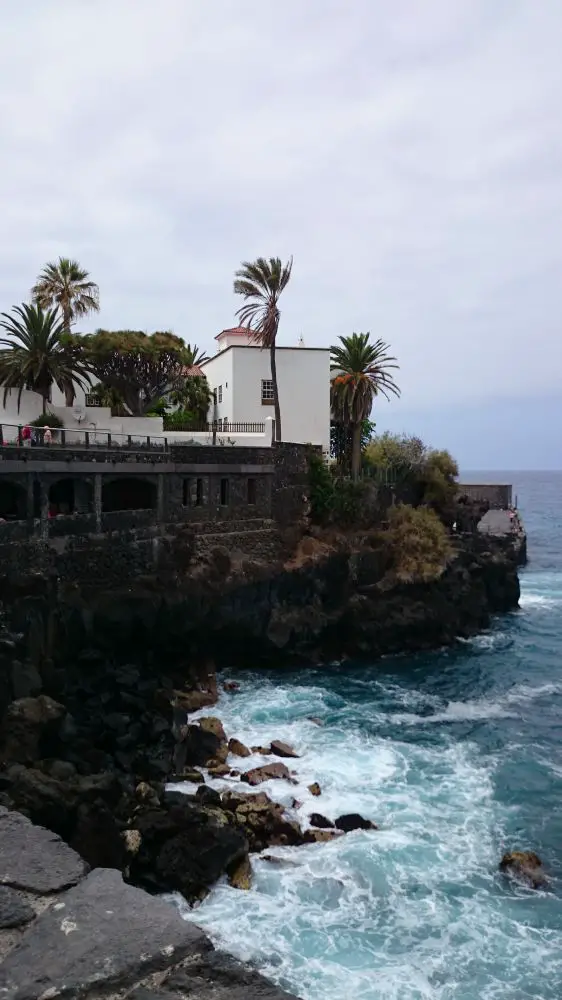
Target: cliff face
338,603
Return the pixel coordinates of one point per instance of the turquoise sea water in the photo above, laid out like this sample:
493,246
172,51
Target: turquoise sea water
457,756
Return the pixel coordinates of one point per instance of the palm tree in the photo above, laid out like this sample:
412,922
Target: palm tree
194,356
64,283
261,283
362,371
37,353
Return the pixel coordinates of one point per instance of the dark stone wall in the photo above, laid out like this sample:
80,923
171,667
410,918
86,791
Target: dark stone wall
291,491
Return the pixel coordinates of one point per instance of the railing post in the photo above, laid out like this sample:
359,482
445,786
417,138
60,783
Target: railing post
1,436
147,441
108,440
87,438
214,432
63,437
129,440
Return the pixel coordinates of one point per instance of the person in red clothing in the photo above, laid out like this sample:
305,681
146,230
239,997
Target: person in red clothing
26,436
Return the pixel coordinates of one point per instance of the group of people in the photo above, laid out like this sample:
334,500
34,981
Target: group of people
35,435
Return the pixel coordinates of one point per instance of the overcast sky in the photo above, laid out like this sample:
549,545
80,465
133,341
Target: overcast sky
408,154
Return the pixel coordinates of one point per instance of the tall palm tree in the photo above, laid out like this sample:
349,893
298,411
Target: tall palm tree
37,353
361,371
194,356
261,283
64,283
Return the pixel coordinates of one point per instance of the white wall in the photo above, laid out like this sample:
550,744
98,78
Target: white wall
219,372
303,376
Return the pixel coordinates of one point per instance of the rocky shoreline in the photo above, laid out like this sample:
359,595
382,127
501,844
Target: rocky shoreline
98,692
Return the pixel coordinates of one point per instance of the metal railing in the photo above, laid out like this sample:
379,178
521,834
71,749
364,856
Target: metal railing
220,426
14,435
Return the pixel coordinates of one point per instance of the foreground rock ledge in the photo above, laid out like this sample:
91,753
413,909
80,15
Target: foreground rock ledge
103,936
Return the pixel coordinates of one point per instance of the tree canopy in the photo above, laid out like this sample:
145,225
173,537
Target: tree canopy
38,352
66,284
141,367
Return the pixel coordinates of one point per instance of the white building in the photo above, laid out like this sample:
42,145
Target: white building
240,374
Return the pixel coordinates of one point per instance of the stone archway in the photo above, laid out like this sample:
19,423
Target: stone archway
13,501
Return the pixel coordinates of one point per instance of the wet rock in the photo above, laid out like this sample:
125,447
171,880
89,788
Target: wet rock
34,859
198,747
265,773
315,720
191,701
272,859
317,819
31,729
265,751
353,821
241,876
102,934
218,977
219,770
238,749
315,789
262,821
231,686
321,836
14,911
281,749
190,774
208,796
524,865
186,848
210,724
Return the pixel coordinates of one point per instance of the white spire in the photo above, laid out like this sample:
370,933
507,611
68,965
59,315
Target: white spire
301,341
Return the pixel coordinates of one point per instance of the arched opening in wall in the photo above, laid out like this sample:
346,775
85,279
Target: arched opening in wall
13,501
70,496
128,494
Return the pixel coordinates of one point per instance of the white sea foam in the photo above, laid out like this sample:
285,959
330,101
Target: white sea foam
413,910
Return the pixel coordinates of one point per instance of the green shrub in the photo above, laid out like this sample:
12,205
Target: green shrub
47,420
417,544
181,420
334,499
322,491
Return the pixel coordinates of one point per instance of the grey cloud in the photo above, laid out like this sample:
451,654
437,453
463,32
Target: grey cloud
408,156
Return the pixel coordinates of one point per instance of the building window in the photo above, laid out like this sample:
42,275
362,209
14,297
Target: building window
186,492
224,492
199,493
220,393
92,400
251,491
266,391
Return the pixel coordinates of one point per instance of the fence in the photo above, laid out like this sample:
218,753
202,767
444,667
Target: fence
172,423
61,437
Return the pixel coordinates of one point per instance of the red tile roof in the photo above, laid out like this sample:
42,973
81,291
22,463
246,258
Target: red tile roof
192,370
235,331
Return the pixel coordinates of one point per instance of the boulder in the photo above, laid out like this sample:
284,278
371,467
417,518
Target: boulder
317,819
315,720
353,821
186,848
241,876
524,865
281,749
238,749
197,747
34,859
101,937
265,773
265,751
14,911
321,836
315,789
219,770
231,686
210,724
262,821
31,729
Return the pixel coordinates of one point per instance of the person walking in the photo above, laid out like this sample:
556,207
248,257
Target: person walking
47,435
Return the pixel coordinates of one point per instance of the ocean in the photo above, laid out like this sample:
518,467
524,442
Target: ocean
457,756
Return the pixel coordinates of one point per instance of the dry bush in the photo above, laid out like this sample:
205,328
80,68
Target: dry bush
417,544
